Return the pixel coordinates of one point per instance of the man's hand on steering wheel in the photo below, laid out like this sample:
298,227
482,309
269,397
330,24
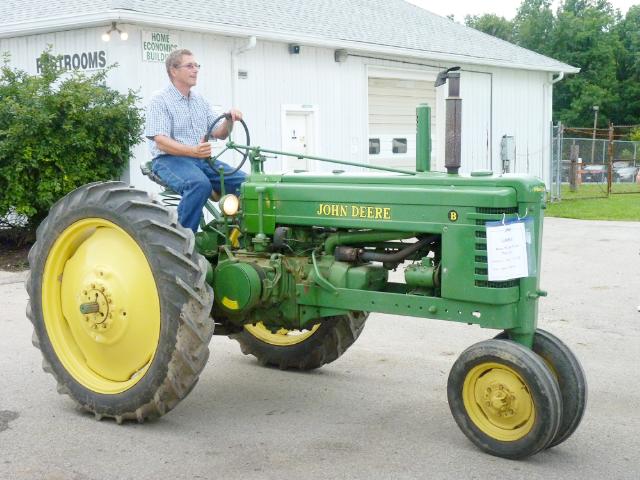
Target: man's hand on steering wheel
228,124
202,150
235,115
225,128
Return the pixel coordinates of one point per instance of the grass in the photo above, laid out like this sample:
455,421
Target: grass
597,190
590,202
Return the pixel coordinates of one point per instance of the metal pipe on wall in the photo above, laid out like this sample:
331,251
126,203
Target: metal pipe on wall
250,45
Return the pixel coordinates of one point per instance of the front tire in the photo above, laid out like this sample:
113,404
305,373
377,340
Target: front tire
324,343
504,399
119,302
571,379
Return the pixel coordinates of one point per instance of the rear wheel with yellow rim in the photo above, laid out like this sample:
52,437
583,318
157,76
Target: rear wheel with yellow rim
308,349
504,399
119,302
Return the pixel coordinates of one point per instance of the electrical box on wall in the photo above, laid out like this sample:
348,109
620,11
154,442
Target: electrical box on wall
508,153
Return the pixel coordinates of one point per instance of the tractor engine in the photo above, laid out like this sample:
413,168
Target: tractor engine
252,287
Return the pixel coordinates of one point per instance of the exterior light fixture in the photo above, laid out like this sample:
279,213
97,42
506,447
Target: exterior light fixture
106,36
229,204
340,55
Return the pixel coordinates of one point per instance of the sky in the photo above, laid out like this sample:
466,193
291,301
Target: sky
504,8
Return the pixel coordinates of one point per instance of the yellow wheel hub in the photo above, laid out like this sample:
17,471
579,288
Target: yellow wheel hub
283,337
498,402
100,306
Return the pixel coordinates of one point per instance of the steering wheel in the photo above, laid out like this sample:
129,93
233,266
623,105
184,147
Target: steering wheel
245,155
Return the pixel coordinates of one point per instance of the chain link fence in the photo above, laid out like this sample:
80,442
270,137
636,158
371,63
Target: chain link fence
594,162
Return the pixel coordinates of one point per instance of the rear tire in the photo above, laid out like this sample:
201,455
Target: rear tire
139,352
302,350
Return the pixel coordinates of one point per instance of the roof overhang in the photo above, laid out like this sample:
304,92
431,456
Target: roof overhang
72,22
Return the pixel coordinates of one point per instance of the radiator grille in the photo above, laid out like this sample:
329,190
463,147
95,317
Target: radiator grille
481,270
497,211
507,284
494,214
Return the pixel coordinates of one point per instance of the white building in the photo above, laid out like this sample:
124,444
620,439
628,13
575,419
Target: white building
337,79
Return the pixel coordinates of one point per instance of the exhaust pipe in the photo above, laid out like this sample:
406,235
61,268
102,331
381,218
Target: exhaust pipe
453,135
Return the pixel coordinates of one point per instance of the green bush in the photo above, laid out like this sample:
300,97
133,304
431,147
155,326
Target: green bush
59,130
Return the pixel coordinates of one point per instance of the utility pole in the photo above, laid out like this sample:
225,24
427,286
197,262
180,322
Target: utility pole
574,152
595,124
610,169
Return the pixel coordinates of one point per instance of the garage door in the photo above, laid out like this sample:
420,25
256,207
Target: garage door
392,119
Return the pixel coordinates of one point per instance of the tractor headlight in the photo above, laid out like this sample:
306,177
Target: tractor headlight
229,204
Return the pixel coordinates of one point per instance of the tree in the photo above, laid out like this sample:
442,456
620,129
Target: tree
492,24
58,131
533,25
628,72
584,36
588,34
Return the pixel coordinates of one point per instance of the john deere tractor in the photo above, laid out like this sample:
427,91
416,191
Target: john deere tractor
124,301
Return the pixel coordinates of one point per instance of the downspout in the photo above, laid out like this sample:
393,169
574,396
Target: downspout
250,45
558,78
558,173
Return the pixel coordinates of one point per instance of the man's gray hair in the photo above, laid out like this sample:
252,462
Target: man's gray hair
174,59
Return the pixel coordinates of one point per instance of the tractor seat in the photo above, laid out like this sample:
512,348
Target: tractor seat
145,168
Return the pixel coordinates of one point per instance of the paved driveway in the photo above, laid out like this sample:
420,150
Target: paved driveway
379,412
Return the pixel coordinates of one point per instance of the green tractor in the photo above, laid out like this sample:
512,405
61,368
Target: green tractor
124,301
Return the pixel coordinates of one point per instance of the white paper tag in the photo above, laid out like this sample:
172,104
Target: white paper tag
507,251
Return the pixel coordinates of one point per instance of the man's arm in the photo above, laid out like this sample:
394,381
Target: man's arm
172,147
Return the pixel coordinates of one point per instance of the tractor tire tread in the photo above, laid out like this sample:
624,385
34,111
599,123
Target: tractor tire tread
332,339
189,296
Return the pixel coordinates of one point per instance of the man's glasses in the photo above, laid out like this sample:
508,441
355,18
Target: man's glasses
190,66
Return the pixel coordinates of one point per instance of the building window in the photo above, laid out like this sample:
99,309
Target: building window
399,145
374,146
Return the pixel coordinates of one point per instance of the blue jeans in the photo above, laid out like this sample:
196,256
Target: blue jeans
194,179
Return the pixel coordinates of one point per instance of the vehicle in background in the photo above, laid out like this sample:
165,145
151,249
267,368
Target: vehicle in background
594,173
624,172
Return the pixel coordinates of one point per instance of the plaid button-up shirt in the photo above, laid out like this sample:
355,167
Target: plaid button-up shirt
184,119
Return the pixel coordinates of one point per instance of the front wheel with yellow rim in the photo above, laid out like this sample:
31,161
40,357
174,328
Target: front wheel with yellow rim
119,302
308,349
504,399
572,381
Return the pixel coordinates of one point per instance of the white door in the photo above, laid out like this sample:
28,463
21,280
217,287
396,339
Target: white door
297,138
475,90
392,119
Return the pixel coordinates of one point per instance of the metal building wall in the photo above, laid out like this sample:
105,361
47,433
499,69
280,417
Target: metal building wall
522,108
496,101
